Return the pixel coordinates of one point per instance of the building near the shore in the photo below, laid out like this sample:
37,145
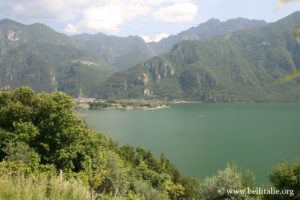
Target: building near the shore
84,100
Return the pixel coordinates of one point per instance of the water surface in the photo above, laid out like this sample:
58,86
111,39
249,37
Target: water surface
202,138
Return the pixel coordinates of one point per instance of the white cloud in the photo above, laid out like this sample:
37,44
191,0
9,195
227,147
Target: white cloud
70,28
18,8
281,3
50,9
159,2
160,36
102,19
157,38
99,15
108,18
180,12
146,38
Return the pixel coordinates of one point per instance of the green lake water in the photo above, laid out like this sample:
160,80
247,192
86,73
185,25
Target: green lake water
202,138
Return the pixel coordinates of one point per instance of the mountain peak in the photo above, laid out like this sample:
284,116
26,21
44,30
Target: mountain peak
9,22
212,20
245,20
40,26
297,13
291,19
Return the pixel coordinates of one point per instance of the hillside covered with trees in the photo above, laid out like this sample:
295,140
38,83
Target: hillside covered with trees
37,56
241,66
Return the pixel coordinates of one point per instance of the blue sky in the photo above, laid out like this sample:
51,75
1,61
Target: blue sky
152,19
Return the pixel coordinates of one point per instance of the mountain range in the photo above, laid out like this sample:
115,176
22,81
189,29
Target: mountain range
237,66
125,52
235,60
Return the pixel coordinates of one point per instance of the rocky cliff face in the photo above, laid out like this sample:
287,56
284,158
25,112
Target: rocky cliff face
159,69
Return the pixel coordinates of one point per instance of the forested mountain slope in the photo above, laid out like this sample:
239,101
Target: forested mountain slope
240,66
36,56
125,52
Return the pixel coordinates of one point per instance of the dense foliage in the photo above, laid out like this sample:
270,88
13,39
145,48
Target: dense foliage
286,176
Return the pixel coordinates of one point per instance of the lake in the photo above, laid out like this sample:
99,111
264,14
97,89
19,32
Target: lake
200,138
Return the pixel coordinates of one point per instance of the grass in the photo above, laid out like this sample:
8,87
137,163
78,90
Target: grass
40,187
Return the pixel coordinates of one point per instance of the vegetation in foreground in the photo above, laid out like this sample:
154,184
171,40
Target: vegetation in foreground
47,152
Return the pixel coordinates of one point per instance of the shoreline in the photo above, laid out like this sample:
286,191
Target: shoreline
131,108
122,105
126,105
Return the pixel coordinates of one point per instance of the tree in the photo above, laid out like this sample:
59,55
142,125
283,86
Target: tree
47,123
22,152
286,176
216,187
192,188
116,179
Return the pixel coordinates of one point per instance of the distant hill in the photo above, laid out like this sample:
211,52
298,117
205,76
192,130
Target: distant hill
37,56
238,66
215,61
125,52
207,30
45,60
119,52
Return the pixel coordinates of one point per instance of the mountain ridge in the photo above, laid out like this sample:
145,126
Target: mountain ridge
133,49
80,64
240,66
124,52
202,30
37,56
